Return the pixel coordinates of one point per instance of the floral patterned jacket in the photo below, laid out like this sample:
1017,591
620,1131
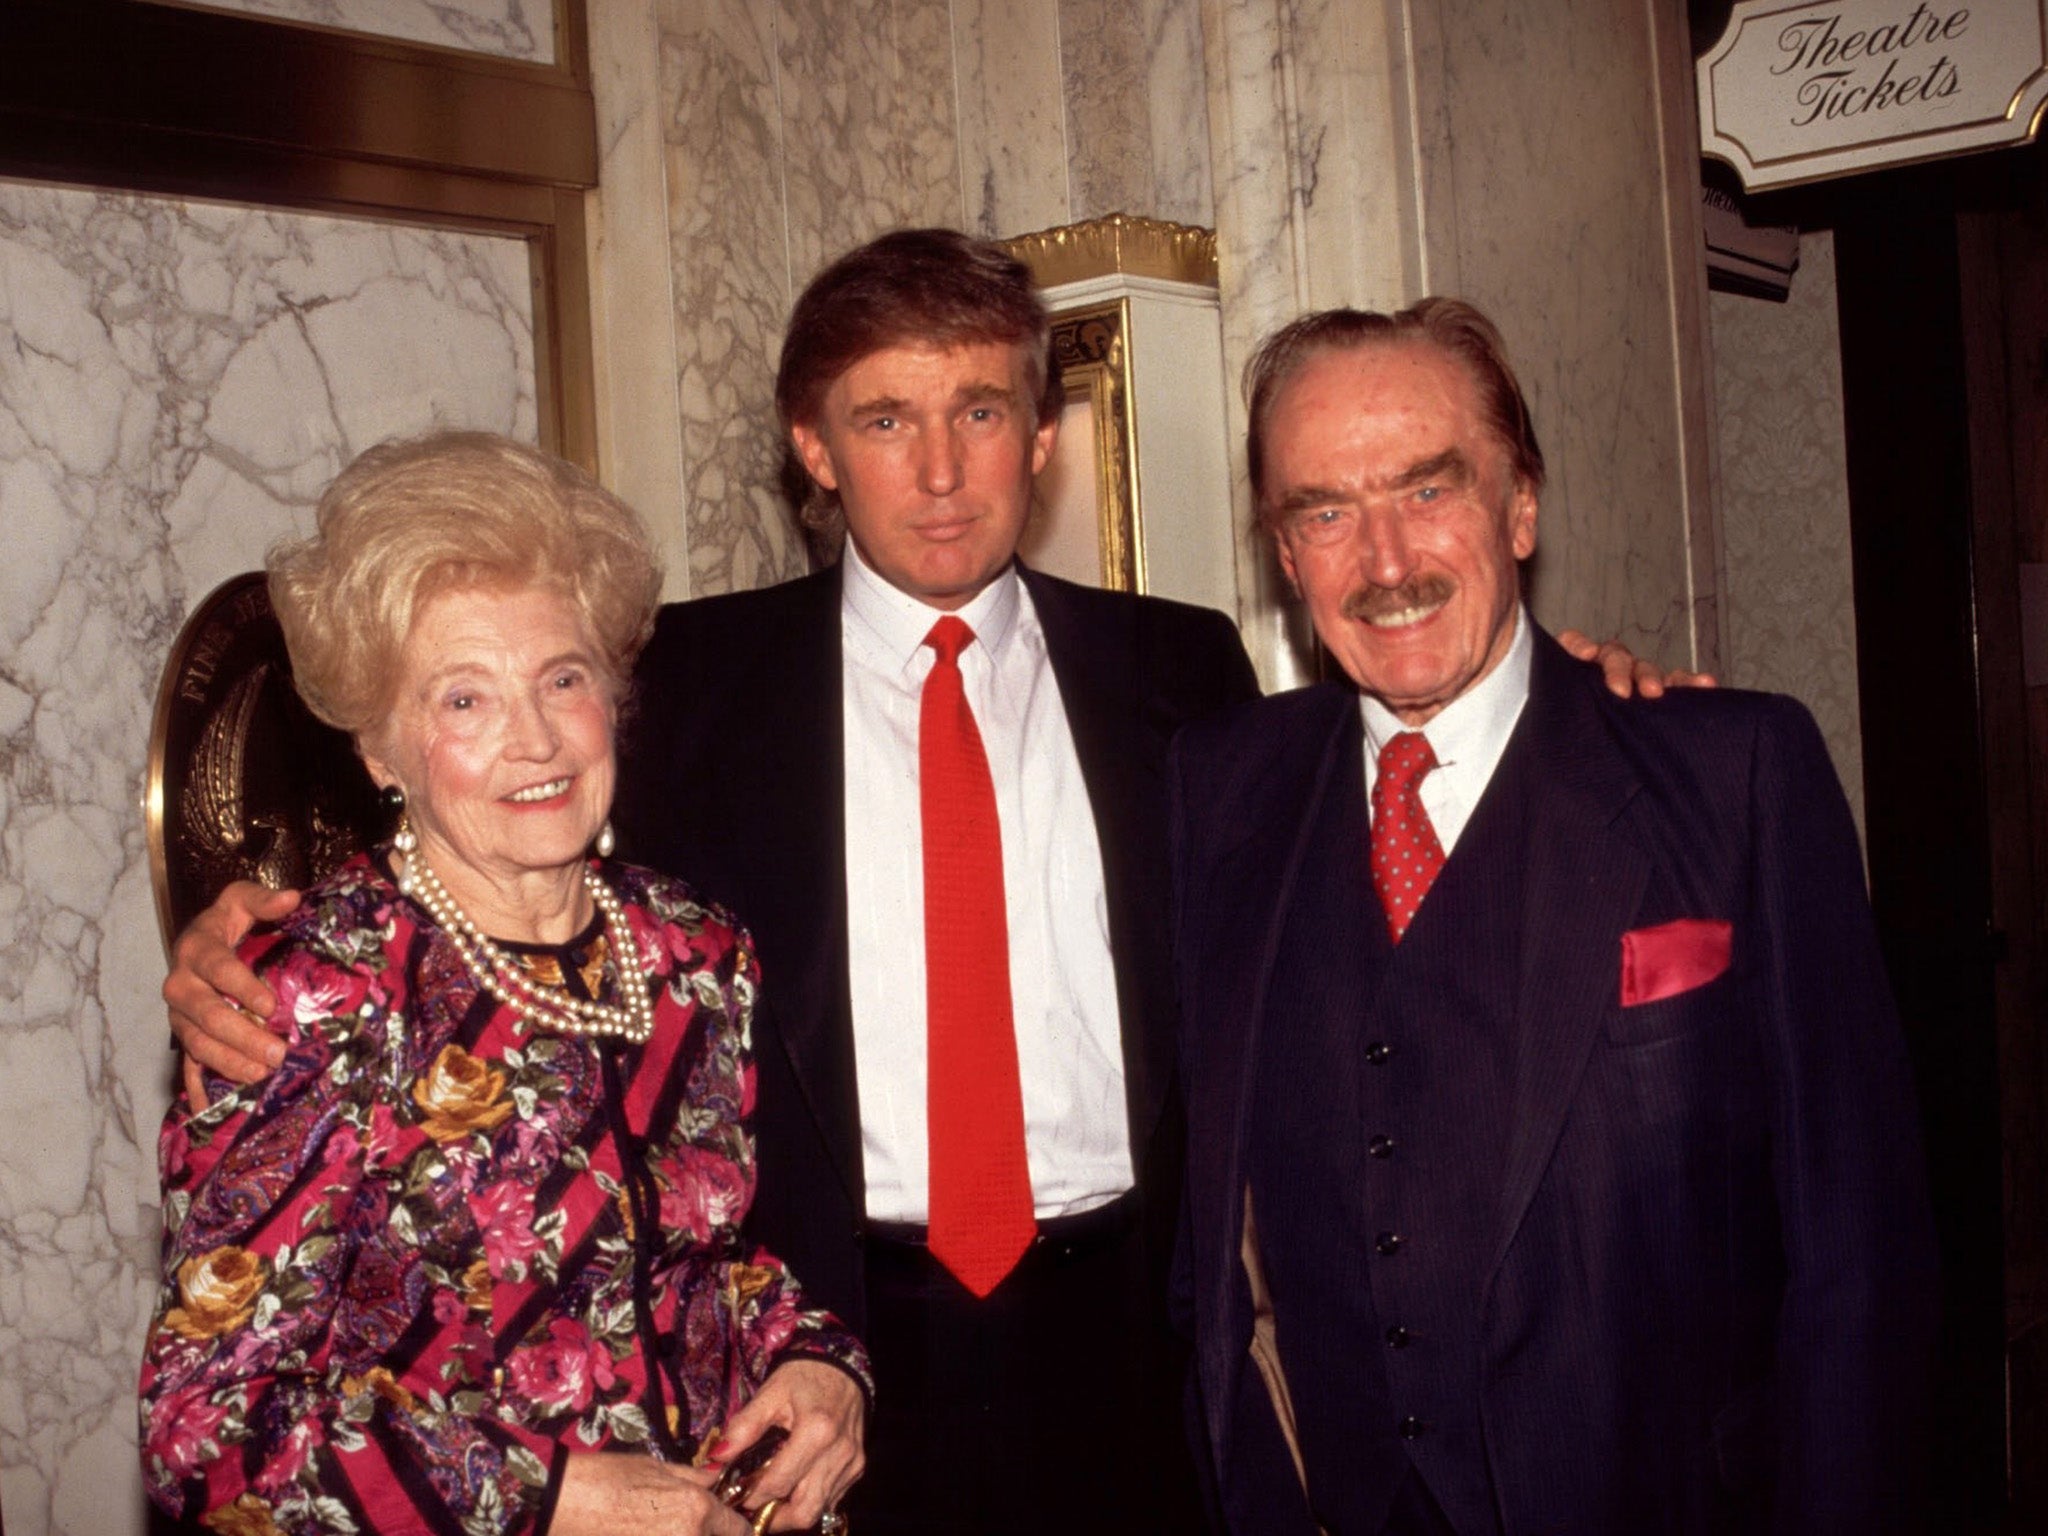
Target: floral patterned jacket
438,1250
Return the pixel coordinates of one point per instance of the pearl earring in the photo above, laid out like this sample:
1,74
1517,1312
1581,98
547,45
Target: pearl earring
392,797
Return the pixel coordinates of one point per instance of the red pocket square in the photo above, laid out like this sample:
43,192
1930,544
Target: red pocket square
1672,958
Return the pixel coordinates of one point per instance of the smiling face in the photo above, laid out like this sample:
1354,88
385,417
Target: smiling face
502,739
1399,520
932,451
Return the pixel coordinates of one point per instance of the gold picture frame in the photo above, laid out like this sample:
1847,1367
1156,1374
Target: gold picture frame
1088,494
1090,523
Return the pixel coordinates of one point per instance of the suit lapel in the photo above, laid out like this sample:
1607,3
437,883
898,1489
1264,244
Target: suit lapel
1301,850
1581,883
814,1016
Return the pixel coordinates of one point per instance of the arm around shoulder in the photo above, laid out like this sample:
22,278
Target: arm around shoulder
217,1004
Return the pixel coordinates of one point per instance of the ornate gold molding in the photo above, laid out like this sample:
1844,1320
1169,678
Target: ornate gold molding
1090,350
1120,243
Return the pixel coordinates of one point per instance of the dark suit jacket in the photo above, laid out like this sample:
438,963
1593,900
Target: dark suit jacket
1733,1171
732,777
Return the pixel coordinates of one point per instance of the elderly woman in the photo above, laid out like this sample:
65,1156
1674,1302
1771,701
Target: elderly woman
470,1260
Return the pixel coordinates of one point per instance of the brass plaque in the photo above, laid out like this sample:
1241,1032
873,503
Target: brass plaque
244,784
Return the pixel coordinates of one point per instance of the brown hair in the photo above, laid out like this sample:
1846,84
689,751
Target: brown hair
409,520
1452,325
933,286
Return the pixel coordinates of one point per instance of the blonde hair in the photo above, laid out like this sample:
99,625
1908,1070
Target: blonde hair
411,519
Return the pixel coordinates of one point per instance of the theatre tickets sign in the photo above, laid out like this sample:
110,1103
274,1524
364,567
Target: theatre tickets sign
1796,93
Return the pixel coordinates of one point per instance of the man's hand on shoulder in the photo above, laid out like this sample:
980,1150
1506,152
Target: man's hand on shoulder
1628,674
217,1004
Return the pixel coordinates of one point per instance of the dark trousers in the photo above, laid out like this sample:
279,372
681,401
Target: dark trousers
1051,1405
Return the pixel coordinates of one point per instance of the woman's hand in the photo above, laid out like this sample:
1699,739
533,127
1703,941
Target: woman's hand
822,1409
604,1495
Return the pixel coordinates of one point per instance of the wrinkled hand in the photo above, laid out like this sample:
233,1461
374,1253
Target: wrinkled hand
605,1495
1627,673
822,1409
217,1005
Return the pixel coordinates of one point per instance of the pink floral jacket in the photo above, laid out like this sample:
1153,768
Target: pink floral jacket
437,1250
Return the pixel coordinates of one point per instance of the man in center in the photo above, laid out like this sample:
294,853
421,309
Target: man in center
965,1037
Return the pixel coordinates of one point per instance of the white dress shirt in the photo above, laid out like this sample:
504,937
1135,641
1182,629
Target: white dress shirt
1062,982
1468,736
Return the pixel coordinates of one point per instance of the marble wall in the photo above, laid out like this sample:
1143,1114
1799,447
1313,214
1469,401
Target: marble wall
177,383
1789,600
1559,192
791,130
511,29
1538,159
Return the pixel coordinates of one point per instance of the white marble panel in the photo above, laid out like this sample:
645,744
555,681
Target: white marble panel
868,125
1013,163
729,271
795,130
512,29
1136,119
1181,184
177,382
1109,120
1314,195
632,295
1536,160
1547,199
1790,600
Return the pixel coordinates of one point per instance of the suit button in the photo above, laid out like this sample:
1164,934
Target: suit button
1399,1337
1378,1052
1411,1428
1380,1146
1387,1243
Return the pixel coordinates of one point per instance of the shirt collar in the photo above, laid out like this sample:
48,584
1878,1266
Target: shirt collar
1475,726
896,623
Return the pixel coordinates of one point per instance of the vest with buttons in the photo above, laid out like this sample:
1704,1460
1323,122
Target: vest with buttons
1383,1091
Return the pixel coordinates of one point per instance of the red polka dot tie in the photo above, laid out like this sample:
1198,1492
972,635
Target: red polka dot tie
981,1210
1405,853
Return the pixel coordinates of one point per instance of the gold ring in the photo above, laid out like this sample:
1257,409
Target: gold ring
763,1515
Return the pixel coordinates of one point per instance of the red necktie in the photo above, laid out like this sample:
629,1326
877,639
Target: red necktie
981,1214
1405,853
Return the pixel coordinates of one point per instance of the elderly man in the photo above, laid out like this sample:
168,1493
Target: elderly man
1553,1162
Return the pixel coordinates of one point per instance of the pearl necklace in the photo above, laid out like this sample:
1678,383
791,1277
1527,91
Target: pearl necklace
536,1003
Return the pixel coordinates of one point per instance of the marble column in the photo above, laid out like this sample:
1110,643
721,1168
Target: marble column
1313,159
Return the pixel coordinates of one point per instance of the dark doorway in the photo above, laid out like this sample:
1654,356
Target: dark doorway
1942,274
